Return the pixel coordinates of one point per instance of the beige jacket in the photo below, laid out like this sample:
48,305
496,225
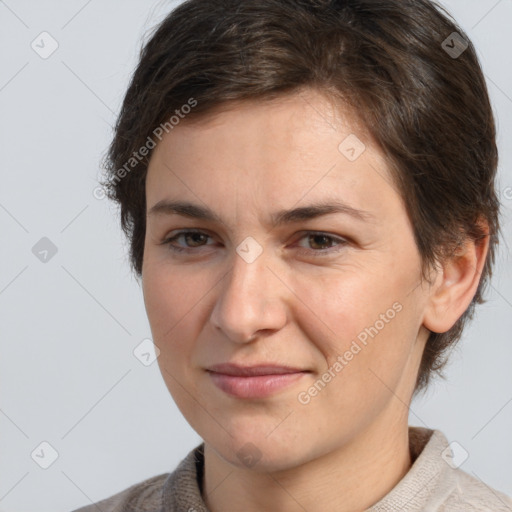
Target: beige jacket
432,484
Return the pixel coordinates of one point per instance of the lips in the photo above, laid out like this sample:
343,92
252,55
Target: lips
255,370
258,381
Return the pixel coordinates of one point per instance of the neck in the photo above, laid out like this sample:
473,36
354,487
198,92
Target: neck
351,478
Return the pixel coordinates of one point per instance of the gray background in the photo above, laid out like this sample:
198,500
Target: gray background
69,326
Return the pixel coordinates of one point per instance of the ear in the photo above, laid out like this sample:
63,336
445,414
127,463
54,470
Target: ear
456,284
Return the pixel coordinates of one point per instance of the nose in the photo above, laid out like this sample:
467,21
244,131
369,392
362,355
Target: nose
250,301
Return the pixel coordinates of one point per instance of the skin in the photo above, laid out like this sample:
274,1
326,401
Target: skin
349,446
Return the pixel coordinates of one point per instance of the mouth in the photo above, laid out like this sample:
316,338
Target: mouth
258,381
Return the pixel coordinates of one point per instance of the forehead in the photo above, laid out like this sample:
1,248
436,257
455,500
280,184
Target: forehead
303,110
278,152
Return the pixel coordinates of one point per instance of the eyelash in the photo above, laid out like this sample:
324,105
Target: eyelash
311,252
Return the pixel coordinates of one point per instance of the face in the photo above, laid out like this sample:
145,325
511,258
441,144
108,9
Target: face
330,298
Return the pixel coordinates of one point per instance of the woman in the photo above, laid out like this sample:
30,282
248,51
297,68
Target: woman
308,188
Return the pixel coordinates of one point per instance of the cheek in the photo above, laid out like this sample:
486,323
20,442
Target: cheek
173,302
338,307
171,305
170,297
362,324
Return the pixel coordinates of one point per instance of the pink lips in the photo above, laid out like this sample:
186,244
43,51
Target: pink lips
253,381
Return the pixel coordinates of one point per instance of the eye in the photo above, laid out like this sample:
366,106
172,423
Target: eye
194,237
316,240
319,239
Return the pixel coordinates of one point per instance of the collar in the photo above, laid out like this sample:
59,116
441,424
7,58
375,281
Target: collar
429,475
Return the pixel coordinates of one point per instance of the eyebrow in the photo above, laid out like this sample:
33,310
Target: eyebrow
303,213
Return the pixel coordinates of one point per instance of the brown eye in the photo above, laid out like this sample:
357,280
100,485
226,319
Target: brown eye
192,239
322,244
320,240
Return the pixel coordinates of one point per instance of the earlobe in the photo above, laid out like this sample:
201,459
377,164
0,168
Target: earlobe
456,285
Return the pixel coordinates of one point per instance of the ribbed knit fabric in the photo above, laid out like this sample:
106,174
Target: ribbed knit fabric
431,485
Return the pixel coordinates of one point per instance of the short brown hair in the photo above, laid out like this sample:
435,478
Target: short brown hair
404,67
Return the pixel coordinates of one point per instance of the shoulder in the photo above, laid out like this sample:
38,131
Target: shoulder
472,495
169,492
145,496
454,490
435,483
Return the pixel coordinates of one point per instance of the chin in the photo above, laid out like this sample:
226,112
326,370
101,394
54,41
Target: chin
258,451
